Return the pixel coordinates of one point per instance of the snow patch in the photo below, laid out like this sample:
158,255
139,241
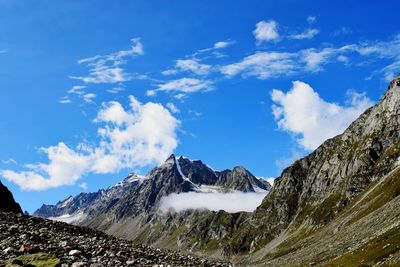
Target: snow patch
66,202
209,189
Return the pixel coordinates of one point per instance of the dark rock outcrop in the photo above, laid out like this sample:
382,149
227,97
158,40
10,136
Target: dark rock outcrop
7,202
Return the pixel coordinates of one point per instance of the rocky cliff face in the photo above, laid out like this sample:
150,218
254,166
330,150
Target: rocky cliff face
318,188
7,202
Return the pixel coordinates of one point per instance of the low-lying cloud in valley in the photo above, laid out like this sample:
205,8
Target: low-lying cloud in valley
229,202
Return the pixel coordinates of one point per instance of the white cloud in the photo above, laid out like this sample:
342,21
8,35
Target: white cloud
183,85
106,69
84,186
307,34
266,31
229,202
342,31
263,65
115,90
222,44
314,59
192,65
169,72
389,50
172,108
77,89
303,112
9,161
311,19
127,140
342,58
64,100
88,98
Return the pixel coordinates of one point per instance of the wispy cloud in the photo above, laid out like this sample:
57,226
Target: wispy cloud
273,64
342,31
9,161
172,108
307,34
302,112
311,19
126,140
65,100
229,202
88,98
84,186
107,68
183,86
189,65
77,89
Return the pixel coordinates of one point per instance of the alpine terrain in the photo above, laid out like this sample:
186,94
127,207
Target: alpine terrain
338,206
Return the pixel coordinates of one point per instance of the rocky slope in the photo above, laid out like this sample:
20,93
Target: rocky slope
29,241
339,206
319,197
7,202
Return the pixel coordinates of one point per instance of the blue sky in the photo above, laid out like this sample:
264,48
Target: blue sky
93,90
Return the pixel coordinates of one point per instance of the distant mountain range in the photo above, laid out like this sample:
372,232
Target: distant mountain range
138,195
339,206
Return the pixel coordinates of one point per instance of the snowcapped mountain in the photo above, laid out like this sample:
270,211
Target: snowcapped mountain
140,195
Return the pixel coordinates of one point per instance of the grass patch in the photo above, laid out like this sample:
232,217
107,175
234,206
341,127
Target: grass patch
372,252
385,192
38,260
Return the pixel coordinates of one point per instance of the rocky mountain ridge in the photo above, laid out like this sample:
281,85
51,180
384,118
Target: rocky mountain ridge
7,202
137,195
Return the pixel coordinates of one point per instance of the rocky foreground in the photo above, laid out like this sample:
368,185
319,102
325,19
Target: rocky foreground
29,241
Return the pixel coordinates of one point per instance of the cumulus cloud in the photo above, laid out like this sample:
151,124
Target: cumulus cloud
266,31
307,34
183,86
229,202
127,139
107,68
303,112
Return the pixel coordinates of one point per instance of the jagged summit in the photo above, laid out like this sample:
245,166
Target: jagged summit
136,194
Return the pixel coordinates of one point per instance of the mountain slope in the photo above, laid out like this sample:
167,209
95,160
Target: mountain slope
7,202
327,208
316,189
